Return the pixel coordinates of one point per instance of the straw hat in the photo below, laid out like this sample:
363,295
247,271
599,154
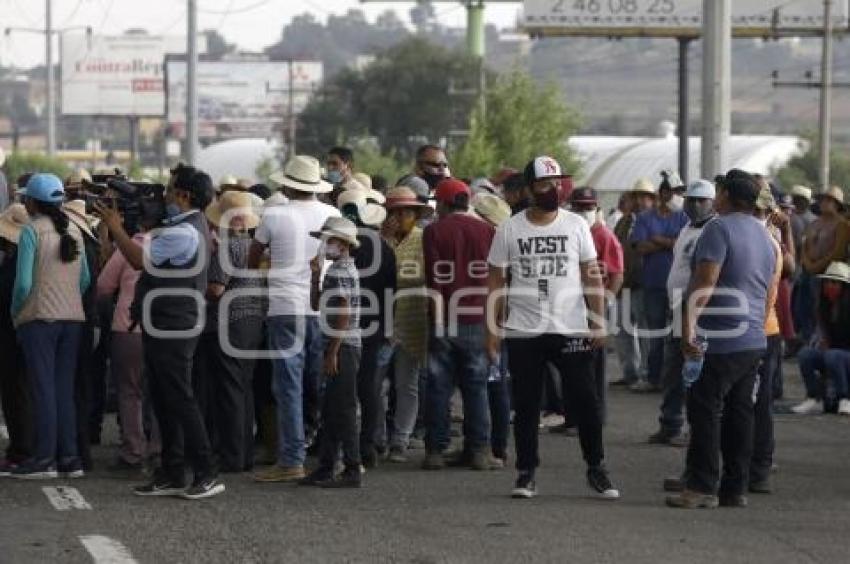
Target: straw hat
835,193
370,214
802,192
238,204
76,212
644,186
12,220
838,271
231,182
492,208
338,228
364,179
79,176
353,184
765,201
404,197
304,174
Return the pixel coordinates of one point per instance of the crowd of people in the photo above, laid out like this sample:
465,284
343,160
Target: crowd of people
245,328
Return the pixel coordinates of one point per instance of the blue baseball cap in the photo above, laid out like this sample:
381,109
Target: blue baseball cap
44,188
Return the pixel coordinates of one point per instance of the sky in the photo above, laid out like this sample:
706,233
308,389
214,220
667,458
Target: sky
251,24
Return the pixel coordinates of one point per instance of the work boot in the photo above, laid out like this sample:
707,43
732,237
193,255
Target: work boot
690,499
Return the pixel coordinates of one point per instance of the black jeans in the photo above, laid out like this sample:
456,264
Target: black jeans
83,389
720,413
672,418
573,359
763,441
16,398
369,391
168,365
231,396
339,413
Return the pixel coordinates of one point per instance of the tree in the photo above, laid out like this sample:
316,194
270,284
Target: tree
20,163
400,99
805,169
217,45
522,119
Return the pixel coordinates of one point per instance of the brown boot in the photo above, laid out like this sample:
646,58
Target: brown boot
690,499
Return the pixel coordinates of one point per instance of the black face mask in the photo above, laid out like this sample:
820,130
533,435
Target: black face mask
547,201
432,179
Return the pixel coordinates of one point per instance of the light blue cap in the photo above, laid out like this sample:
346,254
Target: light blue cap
700,189
44,188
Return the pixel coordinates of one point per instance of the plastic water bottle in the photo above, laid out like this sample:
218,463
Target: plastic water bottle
385,355
692,368
495,373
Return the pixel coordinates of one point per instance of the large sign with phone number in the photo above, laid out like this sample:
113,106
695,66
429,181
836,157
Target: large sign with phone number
676,17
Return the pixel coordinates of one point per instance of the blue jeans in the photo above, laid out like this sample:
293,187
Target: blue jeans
299,339
499,394
460,359
832,362
50,350
655,307
672,417
803,305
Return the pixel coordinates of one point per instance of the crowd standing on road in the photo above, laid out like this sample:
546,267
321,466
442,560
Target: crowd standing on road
247,329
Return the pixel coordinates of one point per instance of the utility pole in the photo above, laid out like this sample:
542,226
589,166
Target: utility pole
51,86
684,108
716,85
826,96
50,78
293,124
476,45
192,83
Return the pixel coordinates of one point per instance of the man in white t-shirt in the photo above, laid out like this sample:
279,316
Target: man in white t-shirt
293,325
556,314
699,207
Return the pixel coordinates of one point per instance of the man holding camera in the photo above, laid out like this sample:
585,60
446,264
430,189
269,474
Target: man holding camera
169,299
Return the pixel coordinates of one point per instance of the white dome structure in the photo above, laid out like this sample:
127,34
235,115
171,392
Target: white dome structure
615,163
237,157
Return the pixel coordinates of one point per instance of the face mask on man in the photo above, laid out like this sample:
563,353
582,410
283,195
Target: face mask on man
546,201
676,203
699,211
334,177
433,175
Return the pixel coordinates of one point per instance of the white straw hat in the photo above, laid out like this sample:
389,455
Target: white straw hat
338,228
839,271
304,174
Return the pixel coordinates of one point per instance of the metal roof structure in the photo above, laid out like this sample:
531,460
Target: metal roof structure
615,163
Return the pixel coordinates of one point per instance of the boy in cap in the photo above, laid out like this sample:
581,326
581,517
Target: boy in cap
338,303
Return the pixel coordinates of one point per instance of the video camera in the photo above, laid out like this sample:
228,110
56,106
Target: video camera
138,202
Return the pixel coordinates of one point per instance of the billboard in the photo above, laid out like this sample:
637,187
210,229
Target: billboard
675,17
115,75
240,98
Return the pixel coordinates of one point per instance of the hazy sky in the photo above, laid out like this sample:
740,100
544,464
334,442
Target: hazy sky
251,24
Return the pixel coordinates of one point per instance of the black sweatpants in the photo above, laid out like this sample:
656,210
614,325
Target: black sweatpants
720,413
369,391
168,365
231,391
573,358
763,440
16,397
339,412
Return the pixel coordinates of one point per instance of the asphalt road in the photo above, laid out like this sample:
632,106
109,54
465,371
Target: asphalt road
404,514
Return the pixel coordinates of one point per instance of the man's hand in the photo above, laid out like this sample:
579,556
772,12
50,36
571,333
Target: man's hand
779,219
598,339
690,349
109,216
331,364
316,266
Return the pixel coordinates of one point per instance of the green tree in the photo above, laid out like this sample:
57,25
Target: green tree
805,169
19,163
523,118
401,99
369,159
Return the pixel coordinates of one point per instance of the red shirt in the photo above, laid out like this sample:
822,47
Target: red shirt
608,249
456,249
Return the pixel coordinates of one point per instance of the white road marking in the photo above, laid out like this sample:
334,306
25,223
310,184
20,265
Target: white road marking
105,550
4,433
64,498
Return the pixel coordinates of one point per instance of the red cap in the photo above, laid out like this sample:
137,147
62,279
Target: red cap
449,189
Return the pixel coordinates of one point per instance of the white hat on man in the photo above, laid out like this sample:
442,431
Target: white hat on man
304,174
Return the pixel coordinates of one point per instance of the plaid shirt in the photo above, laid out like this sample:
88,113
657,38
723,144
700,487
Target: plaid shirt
342,283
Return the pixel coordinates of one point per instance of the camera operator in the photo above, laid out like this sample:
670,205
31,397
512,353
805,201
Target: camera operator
180,244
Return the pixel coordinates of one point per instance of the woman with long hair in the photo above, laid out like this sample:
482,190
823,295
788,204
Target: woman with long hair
47,308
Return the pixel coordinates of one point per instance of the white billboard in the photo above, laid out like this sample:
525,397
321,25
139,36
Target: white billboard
675,17
240,98
116,75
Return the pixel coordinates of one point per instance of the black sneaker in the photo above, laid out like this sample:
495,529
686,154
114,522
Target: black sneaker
317,477
35,470
597,479
350,478
160,487
206,487
739,501
525,486
71,468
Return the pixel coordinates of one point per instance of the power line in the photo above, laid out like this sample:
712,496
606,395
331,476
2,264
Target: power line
230,11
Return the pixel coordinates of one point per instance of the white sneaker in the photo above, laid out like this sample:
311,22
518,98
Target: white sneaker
810,405
844,407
